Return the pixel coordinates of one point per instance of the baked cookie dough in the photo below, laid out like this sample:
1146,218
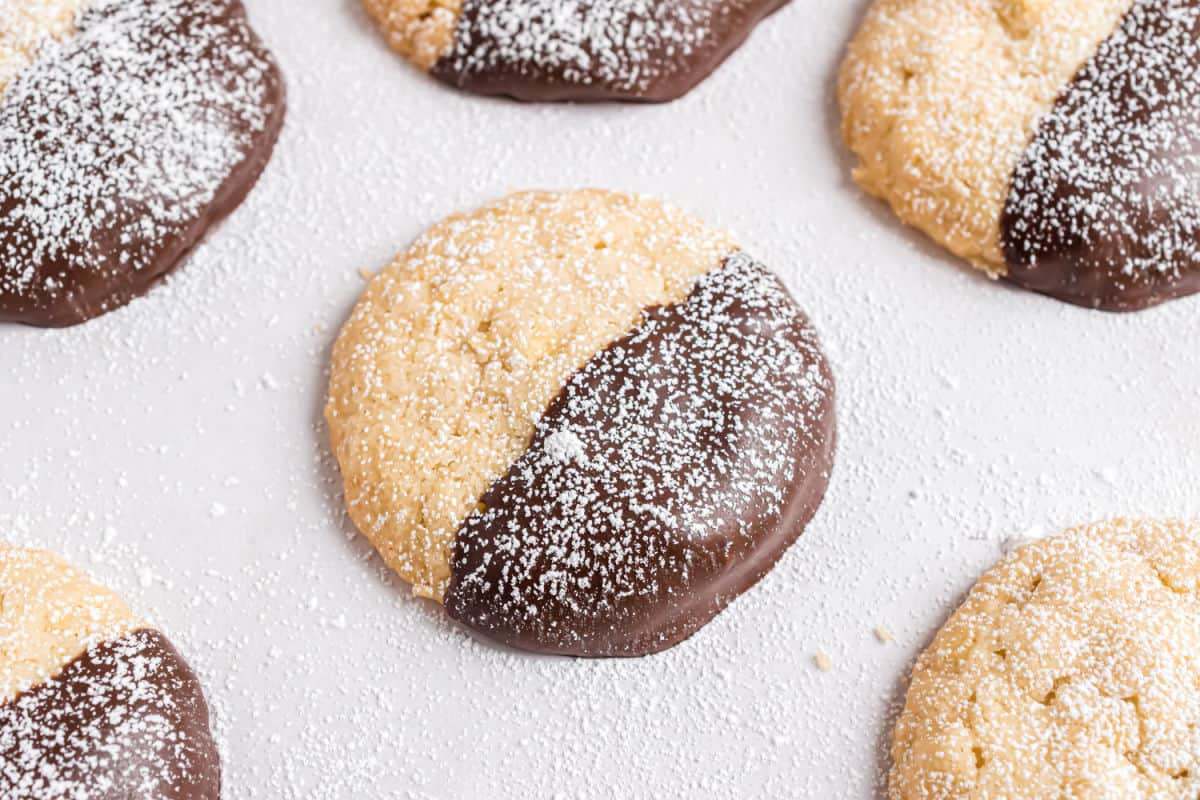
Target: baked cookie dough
648,50
93,702
130,127
583,421
1052,144
1071,671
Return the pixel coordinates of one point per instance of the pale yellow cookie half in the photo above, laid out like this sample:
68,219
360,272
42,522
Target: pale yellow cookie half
50,613
1071,671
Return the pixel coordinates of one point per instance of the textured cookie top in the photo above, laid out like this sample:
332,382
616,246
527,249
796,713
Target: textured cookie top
570,49
458,348
1072,670
26,25
50,613
121,143
941,97
664,480
419,30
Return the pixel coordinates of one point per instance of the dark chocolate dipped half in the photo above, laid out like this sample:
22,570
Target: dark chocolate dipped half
126,720
667,477
548,50
121,146
1104,207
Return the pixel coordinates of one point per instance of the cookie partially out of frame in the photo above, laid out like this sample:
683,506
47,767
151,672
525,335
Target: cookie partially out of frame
94,704
1071,671
128,128
583,421
1053,144
648,50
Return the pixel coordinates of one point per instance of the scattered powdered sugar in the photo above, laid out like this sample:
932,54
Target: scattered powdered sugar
662,474
134,423
115,138
624,45
565,447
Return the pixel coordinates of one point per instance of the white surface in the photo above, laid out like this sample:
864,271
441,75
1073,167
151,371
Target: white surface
175,447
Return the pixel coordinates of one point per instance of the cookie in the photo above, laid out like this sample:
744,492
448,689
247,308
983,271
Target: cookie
130,128
93,702
1051,144
547,50
583,421
1072,670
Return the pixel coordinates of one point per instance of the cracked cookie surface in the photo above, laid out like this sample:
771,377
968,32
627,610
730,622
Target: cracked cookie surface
1072,670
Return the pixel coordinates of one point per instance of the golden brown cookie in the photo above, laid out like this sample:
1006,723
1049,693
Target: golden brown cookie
1072,670
551,415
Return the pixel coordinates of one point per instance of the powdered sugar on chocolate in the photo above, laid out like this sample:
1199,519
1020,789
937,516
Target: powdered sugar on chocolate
119,145
666,478
595,49
126,719
1104,208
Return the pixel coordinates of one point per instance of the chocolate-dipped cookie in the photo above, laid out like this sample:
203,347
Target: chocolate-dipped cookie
583,421
94,704
547,50
128,128
1051,144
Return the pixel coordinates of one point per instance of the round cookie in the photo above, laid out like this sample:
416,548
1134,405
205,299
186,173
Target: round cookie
548,50
1051,144
130,128
93,703
1072,670
583,421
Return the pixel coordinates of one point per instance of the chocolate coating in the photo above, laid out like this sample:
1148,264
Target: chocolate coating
122,146
126,720
666,478
547,50
1104,208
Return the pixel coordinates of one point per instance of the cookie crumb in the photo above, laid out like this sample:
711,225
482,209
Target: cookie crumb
823,661
883,634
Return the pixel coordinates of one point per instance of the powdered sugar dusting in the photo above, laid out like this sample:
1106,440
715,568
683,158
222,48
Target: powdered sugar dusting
967,414
660,478
125,719
625,46
1111,181
115,139
1070,671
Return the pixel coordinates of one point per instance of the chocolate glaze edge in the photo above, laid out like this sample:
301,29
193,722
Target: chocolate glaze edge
659,625
232,192
1099,183
93,295
554,89
66,729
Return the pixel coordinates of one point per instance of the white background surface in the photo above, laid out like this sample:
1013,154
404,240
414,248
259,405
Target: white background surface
175,447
